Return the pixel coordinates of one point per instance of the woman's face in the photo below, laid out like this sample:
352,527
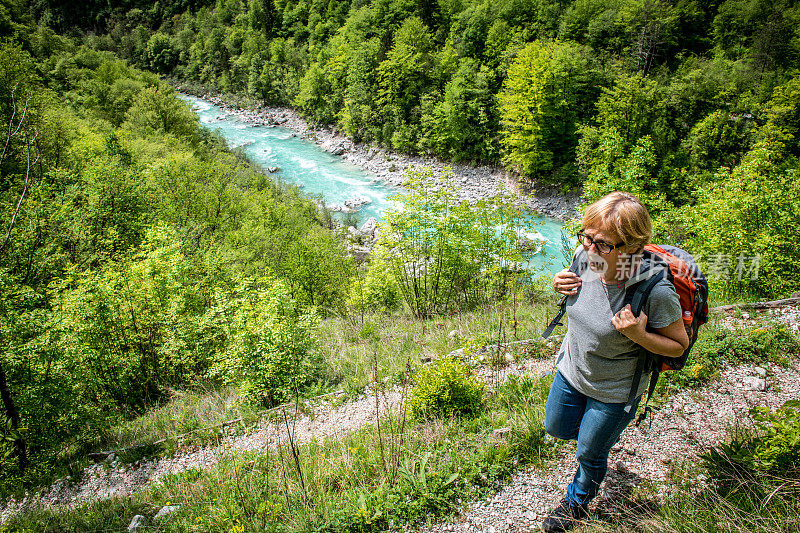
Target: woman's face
602,263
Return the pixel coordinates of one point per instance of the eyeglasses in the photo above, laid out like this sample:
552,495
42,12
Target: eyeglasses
602,247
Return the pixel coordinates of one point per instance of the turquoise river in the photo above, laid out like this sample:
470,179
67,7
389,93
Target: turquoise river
321,174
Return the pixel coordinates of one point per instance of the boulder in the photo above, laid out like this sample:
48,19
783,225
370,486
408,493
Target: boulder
356,202
368,228
137,523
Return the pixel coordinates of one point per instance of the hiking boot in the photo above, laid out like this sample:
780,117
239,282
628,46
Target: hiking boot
564,517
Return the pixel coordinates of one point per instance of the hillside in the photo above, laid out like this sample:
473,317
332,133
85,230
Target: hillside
163,299
651,465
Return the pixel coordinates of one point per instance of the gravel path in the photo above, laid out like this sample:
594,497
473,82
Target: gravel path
112,478
471,183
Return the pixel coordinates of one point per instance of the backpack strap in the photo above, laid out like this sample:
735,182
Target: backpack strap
650,389
636,296
578,266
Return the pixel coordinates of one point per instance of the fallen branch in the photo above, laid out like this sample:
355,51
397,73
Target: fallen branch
756,305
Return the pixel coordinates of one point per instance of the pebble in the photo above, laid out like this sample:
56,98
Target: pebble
137,522
165,511
754,384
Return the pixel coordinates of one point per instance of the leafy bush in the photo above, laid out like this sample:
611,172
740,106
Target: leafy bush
272,354
447,387
377,290
772,446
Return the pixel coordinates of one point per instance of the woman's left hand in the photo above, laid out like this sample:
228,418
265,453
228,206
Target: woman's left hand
629,325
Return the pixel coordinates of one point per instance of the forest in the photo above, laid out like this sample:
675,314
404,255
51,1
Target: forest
139,255
691,105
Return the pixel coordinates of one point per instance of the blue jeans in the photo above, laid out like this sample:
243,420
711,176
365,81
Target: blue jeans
596,425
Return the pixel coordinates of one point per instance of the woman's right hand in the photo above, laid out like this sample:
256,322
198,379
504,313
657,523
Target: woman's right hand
566,283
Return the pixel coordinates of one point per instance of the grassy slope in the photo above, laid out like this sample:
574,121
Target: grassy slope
402,472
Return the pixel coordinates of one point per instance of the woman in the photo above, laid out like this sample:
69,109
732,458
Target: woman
597,360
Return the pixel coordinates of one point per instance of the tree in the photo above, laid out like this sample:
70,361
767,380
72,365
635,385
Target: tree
403,78
546,95
158,109
160,54
447,255
464,125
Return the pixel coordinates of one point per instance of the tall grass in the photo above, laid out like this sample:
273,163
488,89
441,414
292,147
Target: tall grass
350,344
190,417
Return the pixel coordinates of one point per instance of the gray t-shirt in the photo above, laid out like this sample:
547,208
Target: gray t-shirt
595,358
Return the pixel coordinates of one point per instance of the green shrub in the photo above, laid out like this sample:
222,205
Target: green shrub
272,353
377,290
447,387
772,446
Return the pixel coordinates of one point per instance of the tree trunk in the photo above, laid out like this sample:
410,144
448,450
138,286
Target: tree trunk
20,447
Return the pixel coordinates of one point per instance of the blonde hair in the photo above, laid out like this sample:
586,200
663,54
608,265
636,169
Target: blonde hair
623,214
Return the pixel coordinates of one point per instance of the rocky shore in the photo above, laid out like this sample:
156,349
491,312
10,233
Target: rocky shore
471,182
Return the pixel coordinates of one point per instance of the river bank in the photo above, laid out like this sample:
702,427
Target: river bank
471,182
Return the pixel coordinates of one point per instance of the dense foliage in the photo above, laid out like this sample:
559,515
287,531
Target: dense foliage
131,242
693,106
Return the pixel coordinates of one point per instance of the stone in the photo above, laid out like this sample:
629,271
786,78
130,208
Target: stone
360,253
165,511
762,372
754,384
368,227
138,521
